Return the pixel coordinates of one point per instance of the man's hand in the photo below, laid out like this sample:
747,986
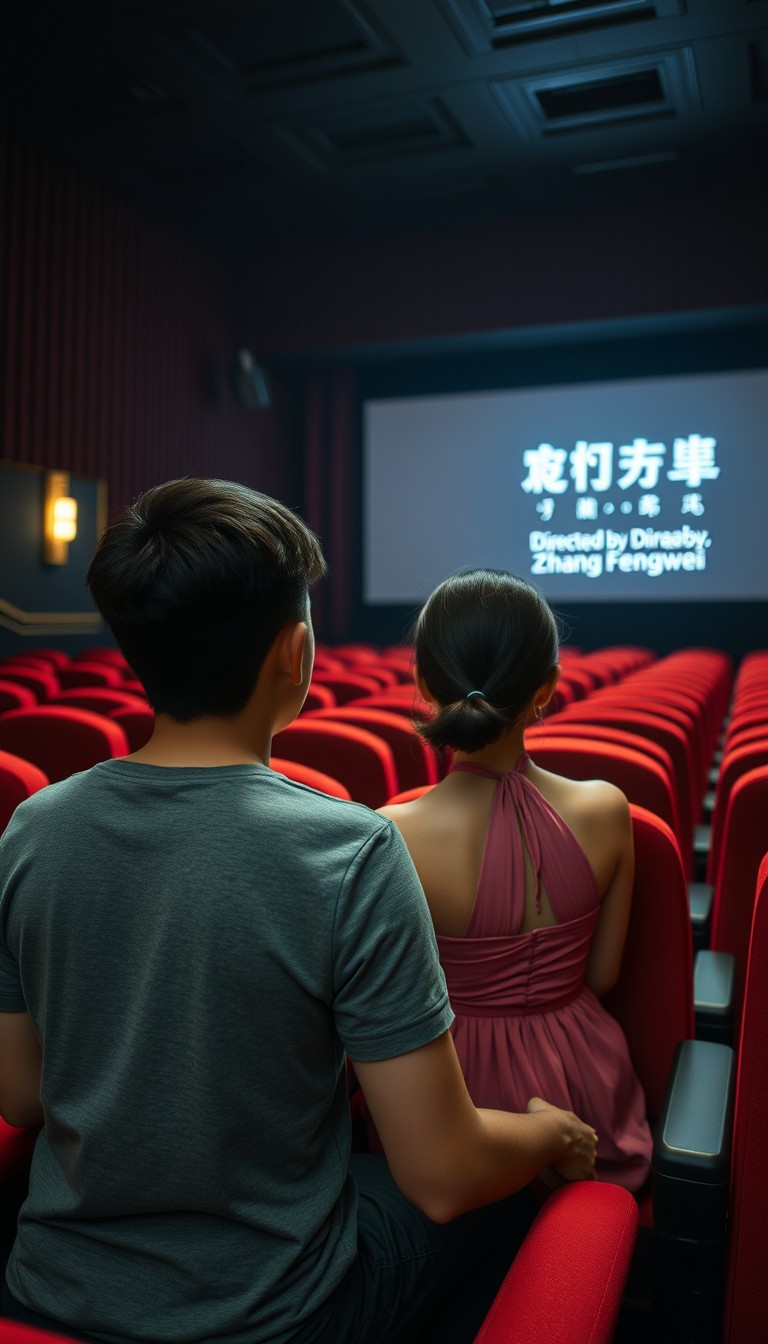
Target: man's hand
580,1139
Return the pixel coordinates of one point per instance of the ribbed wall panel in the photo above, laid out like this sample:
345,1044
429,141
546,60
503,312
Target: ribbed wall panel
115,337
623,260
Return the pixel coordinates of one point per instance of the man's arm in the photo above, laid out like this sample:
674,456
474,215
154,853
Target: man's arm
20,1069
446,1155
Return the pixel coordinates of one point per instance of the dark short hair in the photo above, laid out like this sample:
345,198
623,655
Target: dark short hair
489,631
195,580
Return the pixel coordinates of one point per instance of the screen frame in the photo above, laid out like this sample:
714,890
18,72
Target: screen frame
665,346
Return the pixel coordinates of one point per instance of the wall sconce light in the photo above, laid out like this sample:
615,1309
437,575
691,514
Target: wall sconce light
59,518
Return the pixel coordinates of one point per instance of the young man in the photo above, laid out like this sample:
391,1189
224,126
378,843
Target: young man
189,945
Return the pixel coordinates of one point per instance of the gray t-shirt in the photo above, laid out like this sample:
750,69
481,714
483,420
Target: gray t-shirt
197,948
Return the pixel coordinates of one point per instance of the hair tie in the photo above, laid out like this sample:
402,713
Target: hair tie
469,694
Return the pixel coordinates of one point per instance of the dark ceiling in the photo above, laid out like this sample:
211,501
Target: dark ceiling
252,123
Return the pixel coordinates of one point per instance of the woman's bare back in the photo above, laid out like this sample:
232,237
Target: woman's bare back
445,831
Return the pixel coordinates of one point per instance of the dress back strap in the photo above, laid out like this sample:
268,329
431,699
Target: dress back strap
515,803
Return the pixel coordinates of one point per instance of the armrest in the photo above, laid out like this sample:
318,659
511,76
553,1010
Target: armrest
567,1280
700,905
714,974
692,1146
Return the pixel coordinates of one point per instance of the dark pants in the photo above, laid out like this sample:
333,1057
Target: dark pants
412,1279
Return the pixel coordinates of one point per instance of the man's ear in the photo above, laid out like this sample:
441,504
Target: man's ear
290,651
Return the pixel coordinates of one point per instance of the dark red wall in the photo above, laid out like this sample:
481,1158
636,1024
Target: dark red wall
625,260
115,334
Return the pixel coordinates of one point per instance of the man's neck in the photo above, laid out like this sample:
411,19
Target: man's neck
210,741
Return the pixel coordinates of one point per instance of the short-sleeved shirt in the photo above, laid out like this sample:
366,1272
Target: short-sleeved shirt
197,949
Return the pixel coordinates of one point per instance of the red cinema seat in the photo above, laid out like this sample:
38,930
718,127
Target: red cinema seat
415,760
744,842
11,1332
736,761
318,697
314,779
19,779
347,685
643,780
566,1283
746,1293
653,997
137,722
98,673
13,696
360,760
397,699
99,699
409,795
644,723
42,681
61,741
53,658
132,686
102,653
648,746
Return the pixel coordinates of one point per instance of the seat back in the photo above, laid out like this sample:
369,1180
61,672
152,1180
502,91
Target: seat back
650,726
101,672
14,696
648,746
61,740
653,997
318,697
102,653
347,685
42,681
746,1291
360,760
736,762
137,722
46,657
416,762
99,699
744,841
643,780
314,779
19,779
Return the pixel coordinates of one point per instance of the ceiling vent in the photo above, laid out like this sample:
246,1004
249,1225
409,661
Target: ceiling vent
599,99
641,88
485,25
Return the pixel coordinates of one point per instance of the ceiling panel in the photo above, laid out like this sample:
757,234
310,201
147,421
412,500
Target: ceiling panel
262,121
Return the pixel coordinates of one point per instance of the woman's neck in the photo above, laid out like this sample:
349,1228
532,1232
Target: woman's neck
501,755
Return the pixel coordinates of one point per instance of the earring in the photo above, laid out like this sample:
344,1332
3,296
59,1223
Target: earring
538,713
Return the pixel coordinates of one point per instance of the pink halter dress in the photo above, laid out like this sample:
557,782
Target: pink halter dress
526,1024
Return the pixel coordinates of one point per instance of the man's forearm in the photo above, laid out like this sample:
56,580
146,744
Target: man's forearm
502,1153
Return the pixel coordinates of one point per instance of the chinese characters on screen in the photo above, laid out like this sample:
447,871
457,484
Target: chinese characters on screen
600,480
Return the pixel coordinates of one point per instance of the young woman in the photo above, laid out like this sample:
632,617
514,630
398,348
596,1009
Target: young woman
528,875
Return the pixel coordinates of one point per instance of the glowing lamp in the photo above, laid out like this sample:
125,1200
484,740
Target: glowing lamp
59,518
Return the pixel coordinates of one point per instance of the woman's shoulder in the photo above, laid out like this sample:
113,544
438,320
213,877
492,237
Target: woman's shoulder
588,799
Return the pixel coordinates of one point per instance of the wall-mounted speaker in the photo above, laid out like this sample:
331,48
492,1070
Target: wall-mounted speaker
250,383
